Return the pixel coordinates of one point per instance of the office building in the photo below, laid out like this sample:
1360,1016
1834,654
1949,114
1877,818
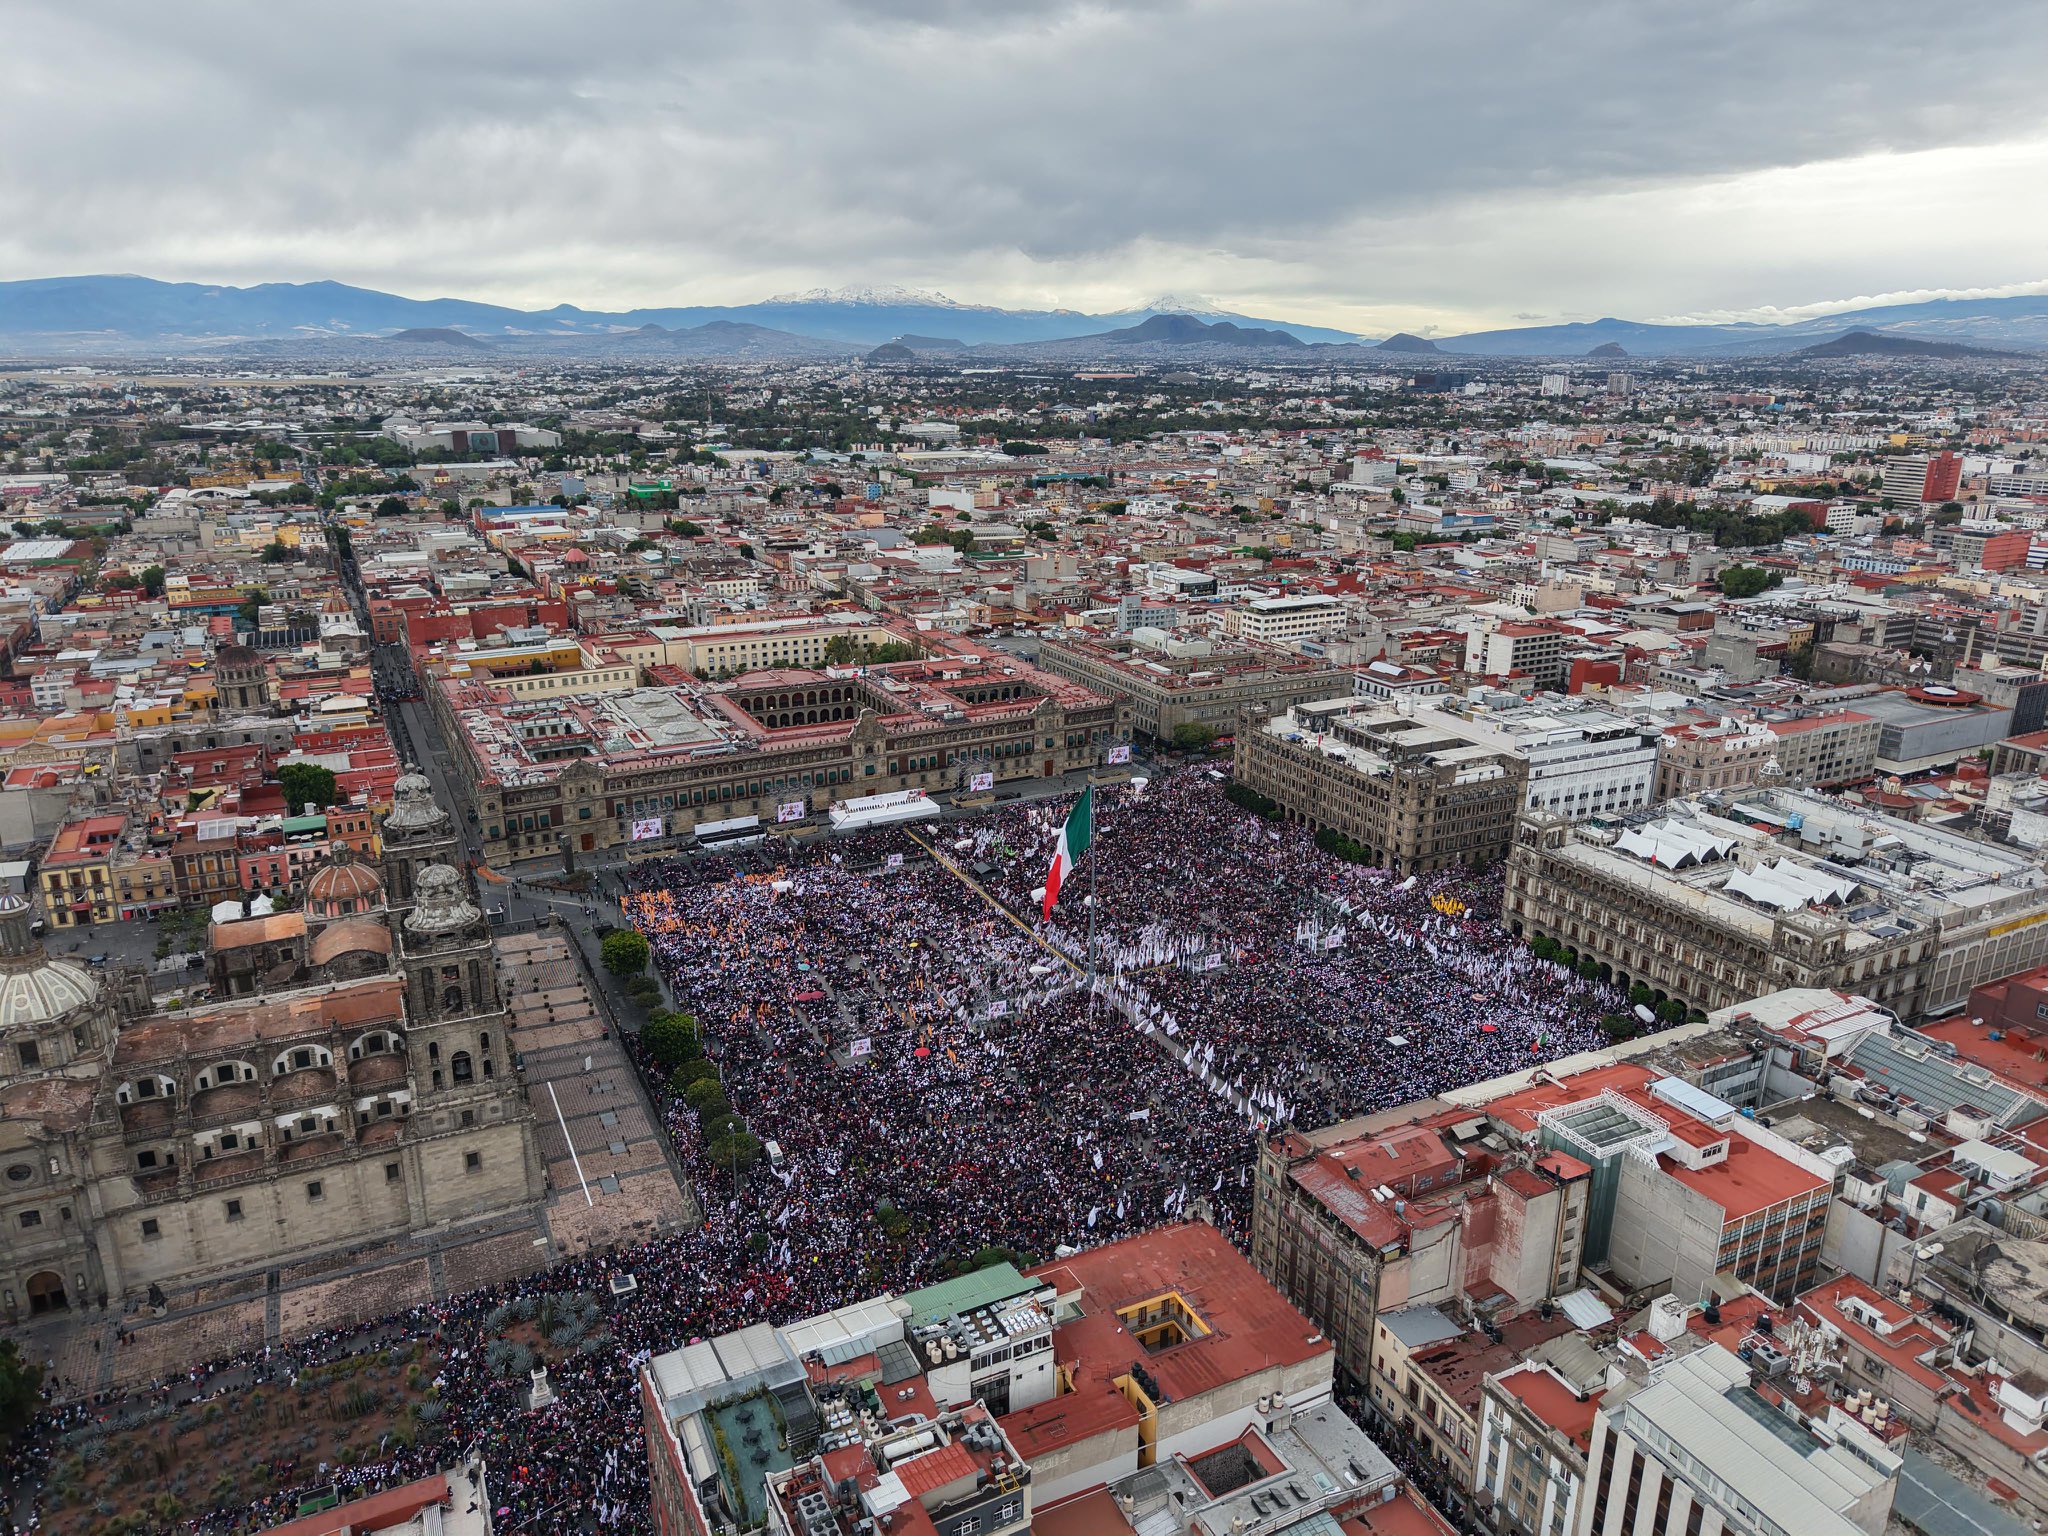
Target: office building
1697,1450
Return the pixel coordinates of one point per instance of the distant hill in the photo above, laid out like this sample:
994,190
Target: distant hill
436,336
892,352
1186,330
115,314
1877,344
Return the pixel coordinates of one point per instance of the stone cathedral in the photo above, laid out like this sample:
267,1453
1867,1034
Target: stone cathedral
350,1081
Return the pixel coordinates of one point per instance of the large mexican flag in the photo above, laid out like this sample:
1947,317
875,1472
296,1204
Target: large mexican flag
1074,837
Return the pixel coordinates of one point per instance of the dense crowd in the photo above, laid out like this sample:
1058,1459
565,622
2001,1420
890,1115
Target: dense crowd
944,1082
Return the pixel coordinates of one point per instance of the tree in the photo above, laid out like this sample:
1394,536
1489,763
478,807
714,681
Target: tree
391,506
707,1097
307,784
153,580
251,607
276,552
670,1038
1190,734
20,1381
1020,450
691,1071
625,953
1748,580
737,1150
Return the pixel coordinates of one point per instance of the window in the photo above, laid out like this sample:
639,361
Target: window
460,1066
30,1053
471,1161
315,1190
31,1218
469,1117
150,1230
234,1210
19,1173
968,1526
391,1173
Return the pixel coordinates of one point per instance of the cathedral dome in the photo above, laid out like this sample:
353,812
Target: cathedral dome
343,886
34,989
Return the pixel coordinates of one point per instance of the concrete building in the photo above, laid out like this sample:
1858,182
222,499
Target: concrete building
1154,1378
1715,902
1167,683
1696,1450
1917,478
1580,760
1514,648
1414,793
1932,726
1535,1428
1711,755
1284,620
1495,1198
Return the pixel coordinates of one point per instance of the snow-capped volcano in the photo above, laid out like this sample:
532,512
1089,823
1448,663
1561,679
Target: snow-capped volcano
1177,304
884,294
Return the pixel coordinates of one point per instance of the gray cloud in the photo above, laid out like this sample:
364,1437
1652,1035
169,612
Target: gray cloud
1465,159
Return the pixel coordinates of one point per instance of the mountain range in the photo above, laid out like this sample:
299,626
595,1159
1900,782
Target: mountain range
112,315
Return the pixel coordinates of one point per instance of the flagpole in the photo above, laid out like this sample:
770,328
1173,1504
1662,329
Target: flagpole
1092,844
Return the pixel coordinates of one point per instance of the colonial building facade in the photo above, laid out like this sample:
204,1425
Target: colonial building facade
1415,796
361,1087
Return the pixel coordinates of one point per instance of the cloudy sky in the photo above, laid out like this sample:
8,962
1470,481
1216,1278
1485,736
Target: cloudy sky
1437,165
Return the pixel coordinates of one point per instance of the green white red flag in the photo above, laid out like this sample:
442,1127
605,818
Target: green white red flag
1074,839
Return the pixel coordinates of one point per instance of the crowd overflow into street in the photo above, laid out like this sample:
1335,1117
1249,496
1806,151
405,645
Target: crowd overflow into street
944,1082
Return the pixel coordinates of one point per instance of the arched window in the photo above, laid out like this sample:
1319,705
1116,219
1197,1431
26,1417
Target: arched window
459,1065
451,998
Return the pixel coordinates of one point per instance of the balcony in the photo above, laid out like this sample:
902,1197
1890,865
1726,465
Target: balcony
383,1070
155,1183
310,1148
148,1117
228,1101
228,1168
308,1085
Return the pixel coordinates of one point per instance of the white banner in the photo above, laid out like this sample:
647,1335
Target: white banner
894,861
1212,962
1120,754
792,810
982,781
861,1047
643,830
998,1008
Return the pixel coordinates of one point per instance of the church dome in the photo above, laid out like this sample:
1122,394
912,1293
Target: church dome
343,885
34,989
